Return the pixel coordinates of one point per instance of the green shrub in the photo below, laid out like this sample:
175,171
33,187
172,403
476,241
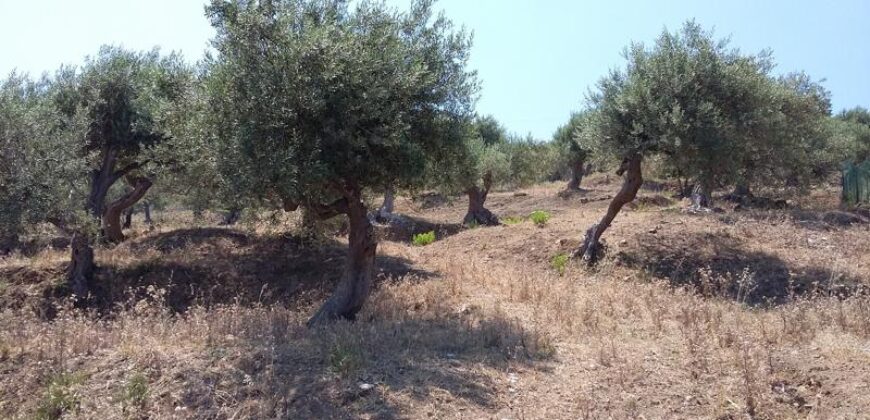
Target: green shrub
423,239
135,392
345,357
60,396
559,262
539,217
513,220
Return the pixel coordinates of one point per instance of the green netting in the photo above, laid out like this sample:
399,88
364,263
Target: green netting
856,183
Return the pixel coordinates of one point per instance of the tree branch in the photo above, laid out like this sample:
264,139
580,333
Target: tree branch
140,187
127,169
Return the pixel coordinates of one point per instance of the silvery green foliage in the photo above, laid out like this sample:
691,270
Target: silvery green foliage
307,97
41,172
713,113
56,132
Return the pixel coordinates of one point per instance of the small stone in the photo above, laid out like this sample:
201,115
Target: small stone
365,387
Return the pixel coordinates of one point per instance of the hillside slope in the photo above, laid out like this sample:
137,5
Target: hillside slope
762,313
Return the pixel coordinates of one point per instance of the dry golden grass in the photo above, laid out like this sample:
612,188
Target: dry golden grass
738,315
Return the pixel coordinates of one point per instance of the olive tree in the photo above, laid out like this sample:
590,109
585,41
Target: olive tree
73,137
849,135
314,102
704,107
39,167
573,154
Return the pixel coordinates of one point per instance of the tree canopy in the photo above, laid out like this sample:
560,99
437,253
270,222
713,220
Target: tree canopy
314,97
711,111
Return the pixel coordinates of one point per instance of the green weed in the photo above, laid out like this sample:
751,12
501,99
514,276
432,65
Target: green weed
423,239
539,217
135,392
60,396
345,358
559,262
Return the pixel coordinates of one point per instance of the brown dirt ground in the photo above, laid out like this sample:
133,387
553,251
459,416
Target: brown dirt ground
754,314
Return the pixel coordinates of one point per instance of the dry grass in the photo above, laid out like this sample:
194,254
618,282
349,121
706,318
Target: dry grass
750,315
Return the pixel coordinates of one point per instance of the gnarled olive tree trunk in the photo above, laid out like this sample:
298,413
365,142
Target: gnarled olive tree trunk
146,207
633,179
477,213
80,270
577,172
389,202
112,226
355,285
701,198
128,217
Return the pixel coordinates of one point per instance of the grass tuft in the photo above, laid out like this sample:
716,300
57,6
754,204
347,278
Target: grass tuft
423,239
559,262
539,217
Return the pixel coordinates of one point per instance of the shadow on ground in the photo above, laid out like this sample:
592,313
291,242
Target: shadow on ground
207,267
402,228
381,369
714,265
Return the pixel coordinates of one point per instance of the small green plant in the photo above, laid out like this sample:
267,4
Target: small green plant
558,262
539,217
513,220
135,392
345,358
60,396
423,239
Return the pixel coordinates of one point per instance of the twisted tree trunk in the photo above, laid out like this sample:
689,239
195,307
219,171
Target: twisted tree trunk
112,227
477,213
128,217
701,198
389,203
630,185
147,208
577,171
355,285
80,270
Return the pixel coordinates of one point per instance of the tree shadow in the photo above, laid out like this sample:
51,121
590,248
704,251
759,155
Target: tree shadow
214,266
402,228
720,266
809,219
401,364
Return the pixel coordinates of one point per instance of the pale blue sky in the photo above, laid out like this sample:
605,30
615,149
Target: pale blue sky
536,58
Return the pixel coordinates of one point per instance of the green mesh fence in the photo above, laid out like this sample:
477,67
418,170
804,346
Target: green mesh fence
856,183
